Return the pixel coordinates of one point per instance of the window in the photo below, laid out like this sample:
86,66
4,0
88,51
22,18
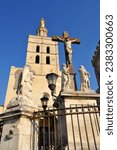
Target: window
37,48
47,60
37,59
48,49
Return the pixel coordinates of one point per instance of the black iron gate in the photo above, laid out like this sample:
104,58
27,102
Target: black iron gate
73,128
1,128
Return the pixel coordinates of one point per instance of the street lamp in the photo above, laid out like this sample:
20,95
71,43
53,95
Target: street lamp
44,101
52,78
59,104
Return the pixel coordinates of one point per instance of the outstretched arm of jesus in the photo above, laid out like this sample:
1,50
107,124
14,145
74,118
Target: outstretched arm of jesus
75,41
56,38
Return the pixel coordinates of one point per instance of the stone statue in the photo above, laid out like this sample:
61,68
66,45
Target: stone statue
42,23
67,44
23,89
26,82
65,78
84,78
42,31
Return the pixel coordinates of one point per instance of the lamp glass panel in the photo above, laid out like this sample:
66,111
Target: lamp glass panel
52,78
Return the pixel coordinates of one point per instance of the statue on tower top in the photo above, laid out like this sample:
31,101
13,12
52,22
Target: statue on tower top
42,31
42,23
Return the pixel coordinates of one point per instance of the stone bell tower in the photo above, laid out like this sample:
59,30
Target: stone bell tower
42,52
42,57
26,87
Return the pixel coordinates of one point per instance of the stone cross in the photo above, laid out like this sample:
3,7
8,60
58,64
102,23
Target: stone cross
67,44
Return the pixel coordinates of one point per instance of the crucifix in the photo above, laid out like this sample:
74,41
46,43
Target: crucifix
67,44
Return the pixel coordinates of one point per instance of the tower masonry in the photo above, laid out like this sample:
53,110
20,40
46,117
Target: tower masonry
42,57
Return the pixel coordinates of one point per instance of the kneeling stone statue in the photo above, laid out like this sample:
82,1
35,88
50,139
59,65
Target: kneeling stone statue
84,79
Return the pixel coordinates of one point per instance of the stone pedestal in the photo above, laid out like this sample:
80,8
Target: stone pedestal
82,119
72,86
17,131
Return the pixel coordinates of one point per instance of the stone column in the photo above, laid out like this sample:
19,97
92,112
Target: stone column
18,131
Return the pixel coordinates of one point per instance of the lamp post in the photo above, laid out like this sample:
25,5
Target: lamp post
44,101
59,104
52,78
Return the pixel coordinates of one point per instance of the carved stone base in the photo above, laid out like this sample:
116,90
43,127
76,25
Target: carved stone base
88,91
17,131
21,102
72,85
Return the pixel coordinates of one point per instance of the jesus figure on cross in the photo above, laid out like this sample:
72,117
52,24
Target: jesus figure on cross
67,44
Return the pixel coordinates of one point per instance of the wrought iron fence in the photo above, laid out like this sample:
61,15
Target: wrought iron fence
73,128
1,127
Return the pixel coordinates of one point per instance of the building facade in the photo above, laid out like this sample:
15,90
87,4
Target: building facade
73,122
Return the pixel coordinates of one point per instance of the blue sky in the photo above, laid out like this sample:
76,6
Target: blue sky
18,19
